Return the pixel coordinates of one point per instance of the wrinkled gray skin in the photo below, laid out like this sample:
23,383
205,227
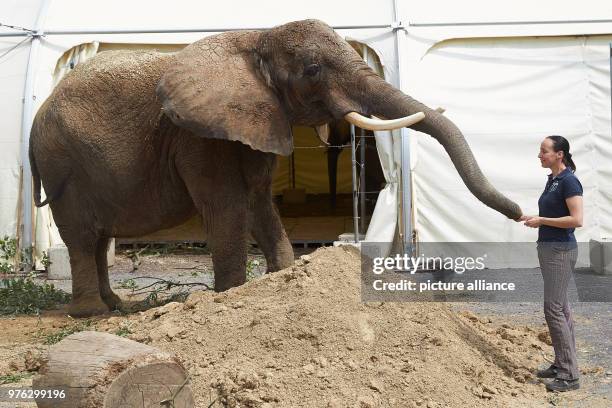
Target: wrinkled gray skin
131,142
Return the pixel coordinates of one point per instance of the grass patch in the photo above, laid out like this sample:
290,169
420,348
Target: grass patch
23,296
13,378
56,337
126,284
252,269
12,258
8,253
554,399
123,331
158,297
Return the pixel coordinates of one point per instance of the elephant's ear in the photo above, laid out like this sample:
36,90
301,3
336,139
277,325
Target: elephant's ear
215,88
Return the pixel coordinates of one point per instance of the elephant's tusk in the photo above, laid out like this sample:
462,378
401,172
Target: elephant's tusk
379,124
323,133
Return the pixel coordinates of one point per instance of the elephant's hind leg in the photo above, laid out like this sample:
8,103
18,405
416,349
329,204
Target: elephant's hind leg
108,296
75,225
86,299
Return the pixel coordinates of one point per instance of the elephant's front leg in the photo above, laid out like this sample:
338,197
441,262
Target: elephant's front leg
228,239
267,229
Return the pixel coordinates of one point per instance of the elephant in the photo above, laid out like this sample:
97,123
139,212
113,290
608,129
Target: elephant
130,142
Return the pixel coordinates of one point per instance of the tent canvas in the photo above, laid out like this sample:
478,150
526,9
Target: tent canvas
416,44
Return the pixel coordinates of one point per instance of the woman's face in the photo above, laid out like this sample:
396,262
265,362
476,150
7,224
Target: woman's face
548,157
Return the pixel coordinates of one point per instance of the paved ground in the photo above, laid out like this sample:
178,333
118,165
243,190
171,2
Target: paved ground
593,323
593,328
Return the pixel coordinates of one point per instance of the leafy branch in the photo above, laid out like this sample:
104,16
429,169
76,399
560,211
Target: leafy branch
165,285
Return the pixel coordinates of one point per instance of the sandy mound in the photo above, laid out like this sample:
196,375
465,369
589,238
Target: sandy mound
303,338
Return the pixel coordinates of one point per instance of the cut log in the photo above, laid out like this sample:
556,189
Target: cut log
103,370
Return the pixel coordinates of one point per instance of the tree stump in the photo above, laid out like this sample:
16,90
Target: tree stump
103,370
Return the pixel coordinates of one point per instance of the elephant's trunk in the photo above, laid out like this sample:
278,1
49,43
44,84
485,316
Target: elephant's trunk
391,103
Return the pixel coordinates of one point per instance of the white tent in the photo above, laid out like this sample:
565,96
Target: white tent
507,74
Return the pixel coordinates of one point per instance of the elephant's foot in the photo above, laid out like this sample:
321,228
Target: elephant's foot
221,285
280,264
112,300
283,257
87,306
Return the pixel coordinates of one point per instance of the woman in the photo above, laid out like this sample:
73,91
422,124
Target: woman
560,212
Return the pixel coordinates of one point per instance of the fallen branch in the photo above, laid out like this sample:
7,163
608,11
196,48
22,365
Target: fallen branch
169,284
190,267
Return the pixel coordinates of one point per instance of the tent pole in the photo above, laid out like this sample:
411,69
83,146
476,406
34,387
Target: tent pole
178,30
362,166
362,180
405,185
355,192
508,23
26,125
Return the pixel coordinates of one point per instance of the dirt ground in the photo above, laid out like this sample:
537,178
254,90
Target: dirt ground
302,338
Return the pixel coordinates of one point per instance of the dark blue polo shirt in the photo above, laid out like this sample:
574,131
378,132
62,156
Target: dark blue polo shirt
552,205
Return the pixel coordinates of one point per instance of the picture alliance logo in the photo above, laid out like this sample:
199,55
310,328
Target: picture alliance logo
412,264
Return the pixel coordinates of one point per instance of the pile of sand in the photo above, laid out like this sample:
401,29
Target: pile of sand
303,338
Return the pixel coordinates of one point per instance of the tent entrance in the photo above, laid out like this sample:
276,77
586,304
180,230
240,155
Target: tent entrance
313,187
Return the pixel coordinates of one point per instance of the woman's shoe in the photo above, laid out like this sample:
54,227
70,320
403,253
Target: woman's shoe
561,385
550,372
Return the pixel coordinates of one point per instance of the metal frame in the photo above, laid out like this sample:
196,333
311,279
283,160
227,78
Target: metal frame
175,30
355,192
359,198
507,23
405,207
26,124
362,170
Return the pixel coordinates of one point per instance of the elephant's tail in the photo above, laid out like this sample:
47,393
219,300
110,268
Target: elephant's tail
37,183
36,177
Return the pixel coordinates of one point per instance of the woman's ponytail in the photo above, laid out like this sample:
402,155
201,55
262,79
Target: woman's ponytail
567,159
560,144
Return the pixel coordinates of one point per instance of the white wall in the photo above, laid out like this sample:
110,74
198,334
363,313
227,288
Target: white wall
507,95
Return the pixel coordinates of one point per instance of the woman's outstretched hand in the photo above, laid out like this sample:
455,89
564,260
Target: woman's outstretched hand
533,221
523,218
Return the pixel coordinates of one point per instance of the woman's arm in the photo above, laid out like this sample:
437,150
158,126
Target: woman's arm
574,220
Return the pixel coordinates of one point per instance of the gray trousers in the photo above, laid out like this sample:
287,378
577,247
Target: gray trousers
557,262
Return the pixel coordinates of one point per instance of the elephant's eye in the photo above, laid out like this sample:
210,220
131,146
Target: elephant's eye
312,70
